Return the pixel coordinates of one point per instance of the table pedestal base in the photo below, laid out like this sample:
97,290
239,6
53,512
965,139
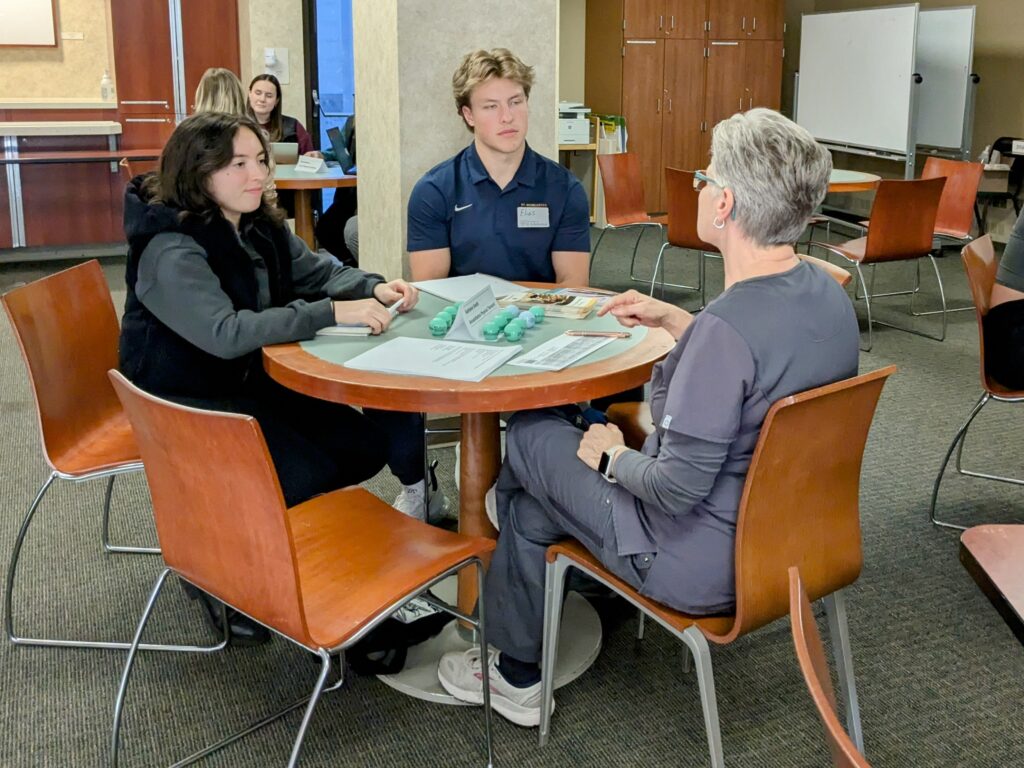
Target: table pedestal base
578,646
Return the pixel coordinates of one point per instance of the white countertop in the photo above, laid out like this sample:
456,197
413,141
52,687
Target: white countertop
81,103
61,128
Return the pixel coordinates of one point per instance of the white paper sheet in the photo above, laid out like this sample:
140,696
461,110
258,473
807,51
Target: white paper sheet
561,351
473,315
429,357
467,286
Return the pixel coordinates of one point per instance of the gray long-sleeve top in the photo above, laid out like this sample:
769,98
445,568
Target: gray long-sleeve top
176,284
1011,266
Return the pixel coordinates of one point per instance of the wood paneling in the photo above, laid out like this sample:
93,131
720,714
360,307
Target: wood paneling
769,18
142,56
643,100
726,91
6,239
210,38
142,131
730,19
602,85
763,66
685,19
684,88
644,18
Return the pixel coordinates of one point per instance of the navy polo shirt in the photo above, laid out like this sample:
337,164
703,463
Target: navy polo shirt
457,206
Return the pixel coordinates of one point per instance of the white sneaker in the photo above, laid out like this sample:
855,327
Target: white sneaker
412,501
460,674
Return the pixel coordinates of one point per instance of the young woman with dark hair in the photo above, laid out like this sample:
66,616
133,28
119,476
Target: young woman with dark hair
265,109
213,275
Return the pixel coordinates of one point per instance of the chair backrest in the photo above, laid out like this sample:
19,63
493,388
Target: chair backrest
800,500
682,211
956,206
903,219
837,273
811,656
67,330
220,515
981,265
623,188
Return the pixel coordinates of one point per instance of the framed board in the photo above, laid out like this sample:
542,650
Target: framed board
28,23
856,77
945,57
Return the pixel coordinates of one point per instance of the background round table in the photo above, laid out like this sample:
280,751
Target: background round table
286,177
851,181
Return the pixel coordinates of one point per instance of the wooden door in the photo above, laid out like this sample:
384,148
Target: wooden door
209,31
726,81
642,104
768,20
643,18
762,62
146,131
142,56
682,138
730,19
685,19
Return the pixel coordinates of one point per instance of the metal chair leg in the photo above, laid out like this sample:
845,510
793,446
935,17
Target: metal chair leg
636,246
593,253
13,566
554,588
640,617
687,662
835,609
325,668
958,440
105,528
484,666
867,305
698,646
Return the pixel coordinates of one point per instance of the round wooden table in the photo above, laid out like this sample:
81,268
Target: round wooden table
285,177
851,181
479,404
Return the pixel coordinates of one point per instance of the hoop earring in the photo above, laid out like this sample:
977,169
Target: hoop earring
718,223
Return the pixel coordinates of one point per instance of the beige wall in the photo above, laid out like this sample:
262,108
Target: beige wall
274,24
405,53
70,71
572,25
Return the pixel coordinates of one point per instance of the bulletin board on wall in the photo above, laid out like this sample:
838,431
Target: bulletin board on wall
28,23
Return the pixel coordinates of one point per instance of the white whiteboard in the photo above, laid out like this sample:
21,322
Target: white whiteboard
856,70
945,58
27,22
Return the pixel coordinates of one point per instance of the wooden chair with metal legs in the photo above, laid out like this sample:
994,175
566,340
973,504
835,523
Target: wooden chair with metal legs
902,228
682,230
322,573
67,331
981,264
624,203
810,655
799,505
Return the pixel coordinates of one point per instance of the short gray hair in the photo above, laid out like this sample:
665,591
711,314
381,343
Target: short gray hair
776,171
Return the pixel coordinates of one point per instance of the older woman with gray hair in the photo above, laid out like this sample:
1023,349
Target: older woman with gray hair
663,518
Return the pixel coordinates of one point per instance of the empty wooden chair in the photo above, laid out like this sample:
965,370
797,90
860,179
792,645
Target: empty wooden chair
799,505
810,654
322,573
624,203
981,264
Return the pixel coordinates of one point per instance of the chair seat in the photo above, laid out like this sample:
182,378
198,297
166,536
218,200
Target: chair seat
635,421
107,445
344,582
852,249
635,218
714,627
997,389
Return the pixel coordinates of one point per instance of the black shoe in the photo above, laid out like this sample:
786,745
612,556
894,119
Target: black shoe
245,632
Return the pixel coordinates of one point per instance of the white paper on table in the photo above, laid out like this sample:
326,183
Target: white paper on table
466,286
556,354
473,314
434,357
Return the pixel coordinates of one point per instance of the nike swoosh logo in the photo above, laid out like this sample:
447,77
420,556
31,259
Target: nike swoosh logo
463,207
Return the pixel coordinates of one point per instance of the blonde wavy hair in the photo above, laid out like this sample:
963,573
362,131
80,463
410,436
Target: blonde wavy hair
480,66
220,90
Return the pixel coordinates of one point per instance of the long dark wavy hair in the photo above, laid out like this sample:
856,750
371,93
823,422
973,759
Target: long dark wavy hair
201,145
275,128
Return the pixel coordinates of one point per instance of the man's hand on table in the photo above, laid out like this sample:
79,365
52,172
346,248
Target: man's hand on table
596,440
633,308
388,293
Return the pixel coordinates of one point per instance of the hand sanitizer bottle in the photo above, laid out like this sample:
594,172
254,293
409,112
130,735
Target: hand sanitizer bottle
106,86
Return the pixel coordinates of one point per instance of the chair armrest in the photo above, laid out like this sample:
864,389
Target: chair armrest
635,421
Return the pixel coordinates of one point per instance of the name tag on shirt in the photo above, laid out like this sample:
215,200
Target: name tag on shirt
533,216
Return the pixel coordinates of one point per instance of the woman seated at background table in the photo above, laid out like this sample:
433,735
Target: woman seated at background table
220,90
265,109
213,275
1004,323
664,518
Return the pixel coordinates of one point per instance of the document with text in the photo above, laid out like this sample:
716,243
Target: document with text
443,359
560,352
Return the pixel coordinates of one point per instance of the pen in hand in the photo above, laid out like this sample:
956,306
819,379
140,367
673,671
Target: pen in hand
601,334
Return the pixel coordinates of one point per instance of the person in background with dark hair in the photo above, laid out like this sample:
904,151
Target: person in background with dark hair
213,275
265,109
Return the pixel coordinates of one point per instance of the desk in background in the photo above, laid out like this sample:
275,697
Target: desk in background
285,177
994,556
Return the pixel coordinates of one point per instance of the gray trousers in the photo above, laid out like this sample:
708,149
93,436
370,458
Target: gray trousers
545,493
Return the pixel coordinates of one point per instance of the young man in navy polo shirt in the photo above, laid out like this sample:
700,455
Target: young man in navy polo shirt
498,208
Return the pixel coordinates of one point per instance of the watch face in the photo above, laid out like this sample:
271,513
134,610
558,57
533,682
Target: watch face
602,465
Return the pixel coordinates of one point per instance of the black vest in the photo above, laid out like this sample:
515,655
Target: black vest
159,360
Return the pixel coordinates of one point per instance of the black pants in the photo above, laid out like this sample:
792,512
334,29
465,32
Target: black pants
406,452
1004,344
316,446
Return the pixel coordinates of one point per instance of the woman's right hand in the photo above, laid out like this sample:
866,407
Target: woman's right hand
363,311
633,308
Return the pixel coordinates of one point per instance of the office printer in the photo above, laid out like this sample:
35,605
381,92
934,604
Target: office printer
573,123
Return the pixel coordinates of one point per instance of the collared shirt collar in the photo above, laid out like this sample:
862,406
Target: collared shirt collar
526,173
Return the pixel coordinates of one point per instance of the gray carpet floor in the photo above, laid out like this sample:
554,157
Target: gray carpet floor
939,674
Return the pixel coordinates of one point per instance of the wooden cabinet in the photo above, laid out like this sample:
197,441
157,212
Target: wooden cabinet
142,57
673,80
209,39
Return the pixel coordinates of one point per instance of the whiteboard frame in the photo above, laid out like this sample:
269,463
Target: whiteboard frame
55,37
961,150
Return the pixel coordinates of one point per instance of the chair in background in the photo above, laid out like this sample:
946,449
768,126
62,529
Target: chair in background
682,229
1015,182
810,654
902,228
322,573
981,264
67,331
624,203
799,505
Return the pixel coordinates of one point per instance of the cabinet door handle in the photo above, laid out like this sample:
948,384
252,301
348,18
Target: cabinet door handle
659,106
672,22
146,102
743,24
661,22
669,104
750,102
754,28
741,103
147,119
